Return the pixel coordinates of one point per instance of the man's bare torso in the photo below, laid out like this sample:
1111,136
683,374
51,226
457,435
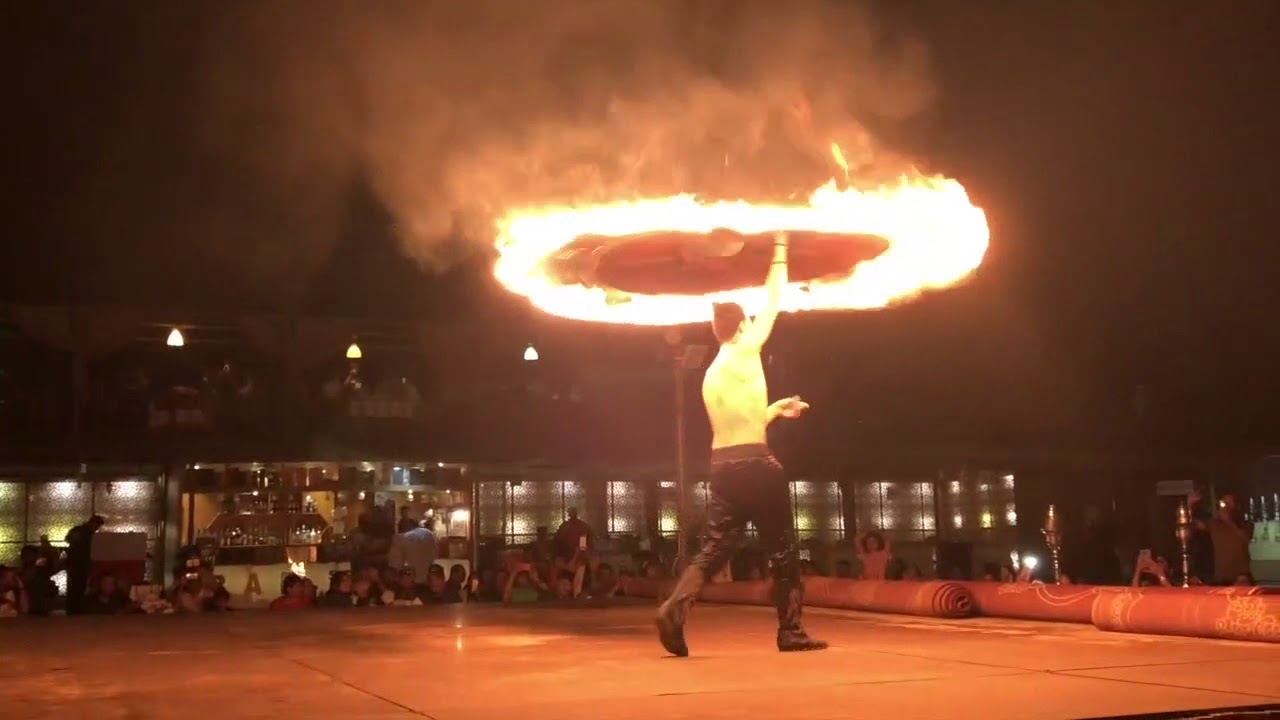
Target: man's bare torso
736,397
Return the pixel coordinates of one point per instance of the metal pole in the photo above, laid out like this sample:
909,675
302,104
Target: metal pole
682,510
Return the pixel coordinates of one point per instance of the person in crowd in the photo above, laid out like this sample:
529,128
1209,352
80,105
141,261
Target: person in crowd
1231,534
415,550
80,562
439,589
49,552
653,570
604,583
406,522
189,595
809,568
108,598
991,572
524,586
493,589
365,593
1199,544
457,582
293,594
562,588
37,573
874,553
340,593
573,544
1091,557
376,529
13,594
844,569
625,576
214,596
408,592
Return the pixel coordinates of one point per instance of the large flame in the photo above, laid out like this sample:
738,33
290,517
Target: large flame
936,238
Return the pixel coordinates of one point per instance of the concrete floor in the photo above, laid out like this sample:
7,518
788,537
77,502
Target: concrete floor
482,663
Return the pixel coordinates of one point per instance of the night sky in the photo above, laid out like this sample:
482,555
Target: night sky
1124,153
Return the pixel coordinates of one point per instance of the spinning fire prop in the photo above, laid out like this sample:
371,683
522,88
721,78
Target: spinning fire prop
665,261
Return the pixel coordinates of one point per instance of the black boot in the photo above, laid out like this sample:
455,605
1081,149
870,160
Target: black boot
672,613
788,598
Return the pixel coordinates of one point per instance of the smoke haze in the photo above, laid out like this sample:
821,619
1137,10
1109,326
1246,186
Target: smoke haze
453,111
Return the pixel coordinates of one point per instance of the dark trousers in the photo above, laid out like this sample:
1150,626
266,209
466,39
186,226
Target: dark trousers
77,586
747,484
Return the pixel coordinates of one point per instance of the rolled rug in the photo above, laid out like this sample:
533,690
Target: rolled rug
932,598
1224,613
903,597
1025,601
1241,590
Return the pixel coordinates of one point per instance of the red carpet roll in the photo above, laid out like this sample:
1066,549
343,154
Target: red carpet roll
929,599
1224,613
934,598
1024,601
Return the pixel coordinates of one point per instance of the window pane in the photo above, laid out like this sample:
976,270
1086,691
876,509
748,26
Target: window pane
13,503
56,507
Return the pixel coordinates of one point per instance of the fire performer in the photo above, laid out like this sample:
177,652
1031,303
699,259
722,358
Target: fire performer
746,479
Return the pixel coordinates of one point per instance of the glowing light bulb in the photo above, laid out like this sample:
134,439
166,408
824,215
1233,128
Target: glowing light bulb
354,352
175,338
530,354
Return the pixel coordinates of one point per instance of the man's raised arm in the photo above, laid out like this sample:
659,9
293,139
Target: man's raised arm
757,332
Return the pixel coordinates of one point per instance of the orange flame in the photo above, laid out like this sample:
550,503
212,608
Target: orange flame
936,239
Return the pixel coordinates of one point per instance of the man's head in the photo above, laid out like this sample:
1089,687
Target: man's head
96,522
726,321
1227,505
564,585
572,513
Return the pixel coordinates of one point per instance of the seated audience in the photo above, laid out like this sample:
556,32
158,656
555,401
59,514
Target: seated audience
408,591
293,595
340,593
439,590
13,595
108,598
524,586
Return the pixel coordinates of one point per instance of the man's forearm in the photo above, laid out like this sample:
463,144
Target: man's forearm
771,413
777,278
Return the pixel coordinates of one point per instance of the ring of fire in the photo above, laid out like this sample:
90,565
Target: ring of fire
665,261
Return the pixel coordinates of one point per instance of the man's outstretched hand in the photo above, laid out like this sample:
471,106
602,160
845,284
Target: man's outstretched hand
792,407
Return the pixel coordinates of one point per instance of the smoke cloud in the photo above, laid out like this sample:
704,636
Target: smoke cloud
453,111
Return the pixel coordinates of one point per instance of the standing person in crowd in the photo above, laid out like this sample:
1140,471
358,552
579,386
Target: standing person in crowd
1231,534
406,523
414,550
572,544
80,562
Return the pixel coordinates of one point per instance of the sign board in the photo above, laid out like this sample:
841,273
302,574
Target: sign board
1166,488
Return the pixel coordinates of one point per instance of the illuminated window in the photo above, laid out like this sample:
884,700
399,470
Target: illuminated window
669,506
978,501
816,509
626,508
524,507
904,508
56,507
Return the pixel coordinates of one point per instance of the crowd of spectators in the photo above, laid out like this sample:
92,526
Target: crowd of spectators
403,569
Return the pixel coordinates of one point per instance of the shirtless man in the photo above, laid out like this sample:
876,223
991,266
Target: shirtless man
746,480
